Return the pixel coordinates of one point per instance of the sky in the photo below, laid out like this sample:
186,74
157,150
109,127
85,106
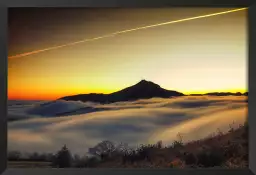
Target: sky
196,56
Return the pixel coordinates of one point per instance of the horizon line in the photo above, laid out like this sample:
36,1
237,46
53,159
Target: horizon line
242,92
51,96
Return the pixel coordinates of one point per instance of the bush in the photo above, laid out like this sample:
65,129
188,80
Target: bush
245,134
178,143
50,157
210,157
92,162
144,153
159,144
105,156
80,162
190,159
176,163
38,157
233,150
14,155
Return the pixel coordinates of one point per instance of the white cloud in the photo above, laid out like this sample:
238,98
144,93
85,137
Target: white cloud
142,121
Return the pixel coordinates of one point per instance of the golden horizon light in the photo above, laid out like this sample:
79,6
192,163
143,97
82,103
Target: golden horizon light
189,50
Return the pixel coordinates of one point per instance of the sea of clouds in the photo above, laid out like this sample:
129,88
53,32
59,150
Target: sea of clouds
41,126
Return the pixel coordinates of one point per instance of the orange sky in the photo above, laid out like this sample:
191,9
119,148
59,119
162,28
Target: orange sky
196,56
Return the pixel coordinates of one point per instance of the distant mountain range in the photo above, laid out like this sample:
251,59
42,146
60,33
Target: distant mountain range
142,90
222,94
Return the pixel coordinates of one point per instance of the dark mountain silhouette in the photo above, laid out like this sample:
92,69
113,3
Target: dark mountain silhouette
142,90
224,93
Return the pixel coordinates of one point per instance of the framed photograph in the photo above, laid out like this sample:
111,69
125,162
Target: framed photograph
127,87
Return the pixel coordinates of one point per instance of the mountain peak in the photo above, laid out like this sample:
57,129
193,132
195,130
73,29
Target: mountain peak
144,82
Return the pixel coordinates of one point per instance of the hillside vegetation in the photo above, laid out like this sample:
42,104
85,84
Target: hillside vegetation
229,150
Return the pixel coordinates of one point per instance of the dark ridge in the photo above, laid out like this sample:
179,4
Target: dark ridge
225,94
196,94
222,94
142,90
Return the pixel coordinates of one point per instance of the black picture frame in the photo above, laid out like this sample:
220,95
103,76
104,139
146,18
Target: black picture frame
5,4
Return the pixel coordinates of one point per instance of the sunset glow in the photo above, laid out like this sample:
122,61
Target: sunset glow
206,54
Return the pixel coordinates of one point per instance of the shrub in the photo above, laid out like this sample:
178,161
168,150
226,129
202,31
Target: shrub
14,155
144,153
159,144
233,150
105,156
231,127
38,157
81,162
92,162
176,163
245,134
219,133
190,159
210,157
178,143
50,157
133,156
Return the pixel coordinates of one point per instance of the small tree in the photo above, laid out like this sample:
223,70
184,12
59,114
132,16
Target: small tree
103,149
159,144
122,147
178,143
63,158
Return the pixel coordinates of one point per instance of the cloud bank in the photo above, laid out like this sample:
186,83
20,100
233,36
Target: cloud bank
83,125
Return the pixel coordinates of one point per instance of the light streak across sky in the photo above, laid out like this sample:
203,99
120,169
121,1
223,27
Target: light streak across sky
124,31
